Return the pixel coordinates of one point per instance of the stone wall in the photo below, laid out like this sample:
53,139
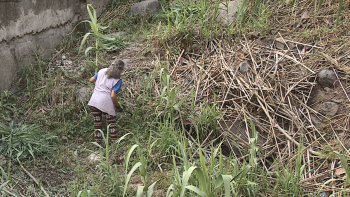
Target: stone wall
26,25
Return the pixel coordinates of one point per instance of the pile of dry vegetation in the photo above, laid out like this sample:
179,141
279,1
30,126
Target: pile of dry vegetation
275,82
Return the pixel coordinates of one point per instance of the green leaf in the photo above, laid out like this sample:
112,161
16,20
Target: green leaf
320,2
93,16
227,182
129,155
139,192
339,11
129,175
185,177
99,35
88,49
151,188
83,41
201,178
196,189
344,163
170,190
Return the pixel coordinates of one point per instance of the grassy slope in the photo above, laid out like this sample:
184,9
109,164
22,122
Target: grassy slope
51,102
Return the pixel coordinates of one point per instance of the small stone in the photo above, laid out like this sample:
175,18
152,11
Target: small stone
316,96
328,108
279,43
244,67
64,57
326,78
253,35
316,121
323,194
144,7
227,12
291,45
84,93
305,15
94,158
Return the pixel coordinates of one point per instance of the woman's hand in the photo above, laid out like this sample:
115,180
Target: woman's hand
118,108
92,79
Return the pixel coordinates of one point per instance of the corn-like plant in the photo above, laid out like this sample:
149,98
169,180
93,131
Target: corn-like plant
169,97
101,41
145,190
108,172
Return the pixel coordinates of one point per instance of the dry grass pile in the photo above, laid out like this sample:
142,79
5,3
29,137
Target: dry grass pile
273,92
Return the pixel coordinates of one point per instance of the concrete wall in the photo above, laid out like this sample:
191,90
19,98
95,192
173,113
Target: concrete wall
26,25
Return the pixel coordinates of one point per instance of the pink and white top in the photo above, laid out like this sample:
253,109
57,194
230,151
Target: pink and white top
101,98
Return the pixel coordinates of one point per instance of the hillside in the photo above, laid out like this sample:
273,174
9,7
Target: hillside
258,107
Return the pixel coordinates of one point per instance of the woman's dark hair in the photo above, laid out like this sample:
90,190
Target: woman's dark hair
114,70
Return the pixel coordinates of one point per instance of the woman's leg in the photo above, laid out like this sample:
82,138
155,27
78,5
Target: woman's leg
97,114
111,121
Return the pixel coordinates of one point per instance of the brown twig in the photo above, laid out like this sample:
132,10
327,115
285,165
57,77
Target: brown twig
34,179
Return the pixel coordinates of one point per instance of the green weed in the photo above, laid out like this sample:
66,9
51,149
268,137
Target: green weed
101,41
25,141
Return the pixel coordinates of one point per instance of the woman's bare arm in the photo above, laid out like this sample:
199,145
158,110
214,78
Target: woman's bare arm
92,79
114,98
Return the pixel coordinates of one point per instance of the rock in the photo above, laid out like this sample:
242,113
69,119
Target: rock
144,7
244,67
3,160
279,43
291,45
253,35
83,93
316,121
323,194
326,78
94,158
317,95
328,108
265,41
305,15
227,13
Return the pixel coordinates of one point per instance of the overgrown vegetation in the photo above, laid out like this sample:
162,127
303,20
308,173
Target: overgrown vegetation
171,140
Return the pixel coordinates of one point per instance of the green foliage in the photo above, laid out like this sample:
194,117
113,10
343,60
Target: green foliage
141,164
24,141
101,41
288,180
5,185
212,175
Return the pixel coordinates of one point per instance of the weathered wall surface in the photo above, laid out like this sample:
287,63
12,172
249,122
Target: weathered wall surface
26,25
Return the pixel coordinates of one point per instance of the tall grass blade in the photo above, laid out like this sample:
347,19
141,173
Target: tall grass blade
139,192
196,189
185,177
129,155
151,189
340,8
170,190
227,184
344,162
320,2
138,164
